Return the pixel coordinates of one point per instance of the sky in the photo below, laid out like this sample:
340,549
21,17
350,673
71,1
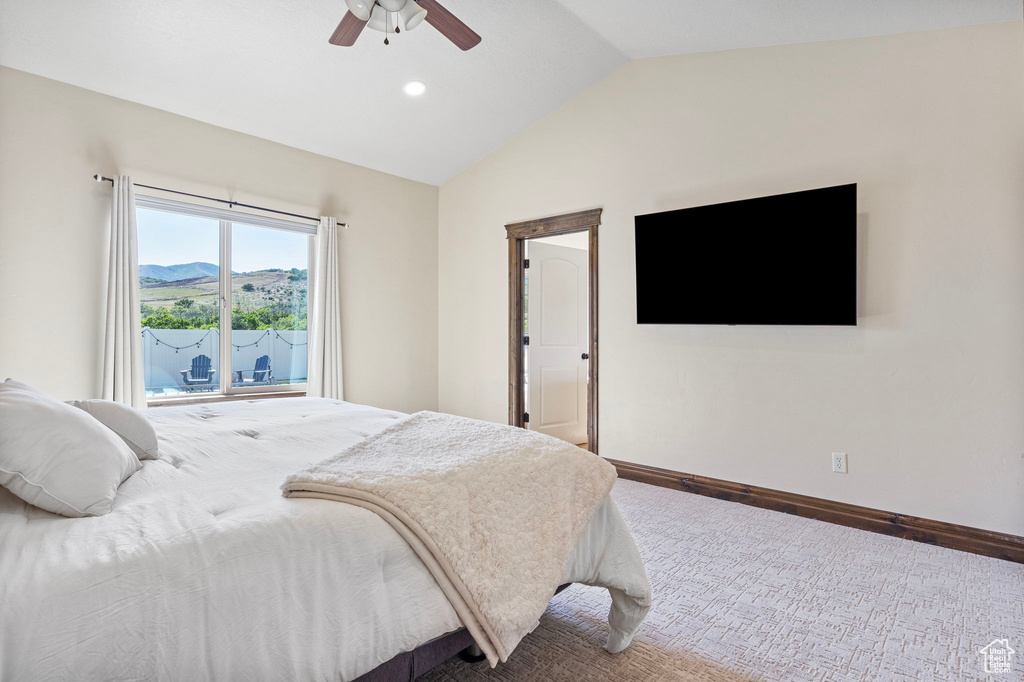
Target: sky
170,239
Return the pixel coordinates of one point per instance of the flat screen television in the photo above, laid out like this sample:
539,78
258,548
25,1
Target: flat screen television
788,259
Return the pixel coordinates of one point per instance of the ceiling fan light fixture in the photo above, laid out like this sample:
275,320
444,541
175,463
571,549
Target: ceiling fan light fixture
415,88
360,8
412,15
376,14
379,20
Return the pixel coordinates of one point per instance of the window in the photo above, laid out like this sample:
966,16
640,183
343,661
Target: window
224,299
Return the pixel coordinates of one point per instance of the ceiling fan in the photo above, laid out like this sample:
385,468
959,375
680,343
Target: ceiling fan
384,15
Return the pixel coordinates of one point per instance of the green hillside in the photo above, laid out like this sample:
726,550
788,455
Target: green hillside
259,300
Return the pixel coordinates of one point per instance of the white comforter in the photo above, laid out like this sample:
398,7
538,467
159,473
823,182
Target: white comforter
204,571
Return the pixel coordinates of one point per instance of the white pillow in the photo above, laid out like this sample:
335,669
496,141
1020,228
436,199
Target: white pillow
128,422
57,457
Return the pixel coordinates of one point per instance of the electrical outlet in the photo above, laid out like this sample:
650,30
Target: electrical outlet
839,462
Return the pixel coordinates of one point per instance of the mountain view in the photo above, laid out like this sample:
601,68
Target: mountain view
170,273
185,296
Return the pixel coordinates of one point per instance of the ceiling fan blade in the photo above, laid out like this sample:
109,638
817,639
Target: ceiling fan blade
449,25
348,30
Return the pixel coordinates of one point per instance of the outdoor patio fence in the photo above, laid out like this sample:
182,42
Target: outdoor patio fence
165,352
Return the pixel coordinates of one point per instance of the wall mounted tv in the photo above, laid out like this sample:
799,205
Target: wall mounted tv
788,259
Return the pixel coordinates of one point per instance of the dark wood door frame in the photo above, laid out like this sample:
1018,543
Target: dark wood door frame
517,234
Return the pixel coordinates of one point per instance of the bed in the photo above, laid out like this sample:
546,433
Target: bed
203,570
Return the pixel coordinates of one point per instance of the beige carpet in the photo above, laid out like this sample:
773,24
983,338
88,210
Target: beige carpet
746,594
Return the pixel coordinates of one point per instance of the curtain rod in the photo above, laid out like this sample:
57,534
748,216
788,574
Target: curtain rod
232,204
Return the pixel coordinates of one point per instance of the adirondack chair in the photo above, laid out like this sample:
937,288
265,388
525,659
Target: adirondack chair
199,377
261,375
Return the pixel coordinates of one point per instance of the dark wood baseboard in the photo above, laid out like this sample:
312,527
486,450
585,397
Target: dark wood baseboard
951,535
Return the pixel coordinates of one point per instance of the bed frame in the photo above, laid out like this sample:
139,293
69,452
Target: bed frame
407,666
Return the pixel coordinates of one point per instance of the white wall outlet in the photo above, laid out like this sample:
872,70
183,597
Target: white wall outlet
839,462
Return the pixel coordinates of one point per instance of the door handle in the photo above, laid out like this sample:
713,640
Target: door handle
585,356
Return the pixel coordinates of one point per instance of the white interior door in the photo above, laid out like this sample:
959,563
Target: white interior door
557,364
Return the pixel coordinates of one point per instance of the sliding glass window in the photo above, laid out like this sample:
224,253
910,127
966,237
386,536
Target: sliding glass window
225,299
269,306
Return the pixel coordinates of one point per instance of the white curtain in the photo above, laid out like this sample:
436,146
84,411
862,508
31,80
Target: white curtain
122,340
325,320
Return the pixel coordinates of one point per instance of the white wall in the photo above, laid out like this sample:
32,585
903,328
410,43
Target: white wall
926,395
54,137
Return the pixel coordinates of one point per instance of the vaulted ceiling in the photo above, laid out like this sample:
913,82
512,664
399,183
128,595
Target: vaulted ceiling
264,67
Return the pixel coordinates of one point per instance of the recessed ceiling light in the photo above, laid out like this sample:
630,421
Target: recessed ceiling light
415,88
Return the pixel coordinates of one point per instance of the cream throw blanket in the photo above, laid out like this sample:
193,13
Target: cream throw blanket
494,512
